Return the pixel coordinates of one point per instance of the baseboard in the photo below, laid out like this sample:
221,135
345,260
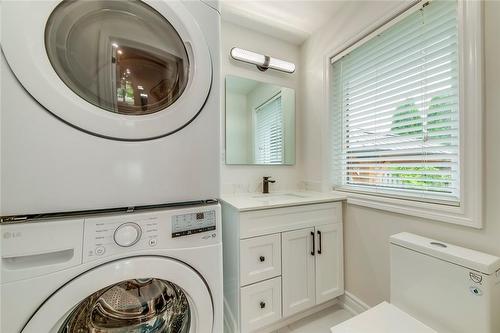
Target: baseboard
352,303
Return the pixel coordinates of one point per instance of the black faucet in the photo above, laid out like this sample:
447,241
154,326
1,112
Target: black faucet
265,184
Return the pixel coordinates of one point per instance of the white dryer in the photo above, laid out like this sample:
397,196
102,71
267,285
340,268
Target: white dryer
108,104
155,271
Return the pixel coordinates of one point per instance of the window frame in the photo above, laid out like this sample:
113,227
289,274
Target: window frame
469,211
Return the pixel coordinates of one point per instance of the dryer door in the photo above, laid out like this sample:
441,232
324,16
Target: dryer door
127,70
141,294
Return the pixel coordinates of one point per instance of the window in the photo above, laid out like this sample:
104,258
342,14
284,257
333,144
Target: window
269,132
397,98
402,130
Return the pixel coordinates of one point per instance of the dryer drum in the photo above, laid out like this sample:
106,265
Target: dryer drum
122,56
133,70
135,306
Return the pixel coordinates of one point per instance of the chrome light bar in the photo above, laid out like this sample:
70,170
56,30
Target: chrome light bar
263,62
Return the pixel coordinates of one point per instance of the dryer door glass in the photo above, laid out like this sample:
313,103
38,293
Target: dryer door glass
140,305
122,56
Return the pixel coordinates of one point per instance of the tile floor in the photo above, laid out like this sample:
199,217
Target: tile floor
320,322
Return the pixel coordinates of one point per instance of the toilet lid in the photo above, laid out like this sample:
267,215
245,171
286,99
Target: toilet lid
383,318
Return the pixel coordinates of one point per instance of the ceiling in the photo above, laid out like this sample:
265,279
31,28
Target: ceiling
289,20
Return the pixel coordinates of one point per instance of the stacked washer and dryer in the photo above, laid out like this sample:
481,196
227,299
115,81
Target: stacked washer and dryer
110,167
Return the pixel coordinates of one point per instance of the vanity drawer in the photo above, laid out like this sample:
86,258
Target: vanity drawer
260,258
260,304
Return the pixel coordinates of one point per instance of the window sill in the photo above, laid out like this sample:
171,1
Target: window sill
442,213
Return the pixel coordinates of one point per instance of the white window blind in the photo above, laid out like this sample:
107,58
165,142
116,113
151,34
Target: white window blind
269,132
395,109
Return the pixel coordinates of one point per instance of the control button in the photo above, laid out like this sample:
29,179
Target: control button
153,242
127,234
100,250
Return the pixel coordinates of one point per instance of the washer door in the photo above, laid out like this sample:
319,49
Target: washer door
140,294
127,70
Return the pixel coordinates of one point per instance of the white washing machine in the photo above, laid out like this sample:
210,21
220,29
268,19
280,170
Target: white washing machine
108,104
155,271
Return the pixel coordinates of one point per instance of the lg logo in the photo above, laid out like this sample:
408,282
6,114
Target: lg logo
209,236
9,235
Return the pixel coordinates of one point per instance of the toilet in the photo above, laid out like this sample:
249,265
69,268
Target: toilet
435,287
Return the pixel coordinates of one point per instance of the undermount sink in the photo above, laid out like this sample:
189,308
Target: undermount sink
278,196
256,201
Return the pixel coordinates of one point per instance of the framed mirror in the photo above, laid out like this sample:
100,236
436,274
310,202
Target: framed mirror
260,123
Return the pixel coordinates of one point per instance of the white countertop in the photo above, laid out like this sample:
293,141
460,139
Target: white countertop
255,201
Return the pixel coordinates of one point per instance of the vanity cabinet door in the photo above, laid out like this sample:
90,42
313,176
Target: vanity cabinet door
329,262
298,273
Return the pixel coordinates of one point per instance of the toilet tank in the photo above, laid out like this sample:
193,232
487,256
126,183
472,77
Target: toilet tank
449,288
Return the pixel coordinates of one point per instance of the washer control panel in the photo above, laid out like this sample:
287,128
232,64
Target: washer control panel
193,223
106,236
112,235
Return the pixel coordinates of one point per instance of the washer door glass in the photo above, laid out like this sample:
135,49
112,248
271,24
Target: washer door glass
139,305
121,56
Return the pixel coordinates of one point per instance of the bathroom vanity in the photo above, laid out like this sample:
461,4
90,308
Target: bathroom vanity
283,257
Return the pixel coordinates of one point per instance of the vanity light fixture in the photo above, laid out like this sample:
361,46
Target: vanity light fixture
263,62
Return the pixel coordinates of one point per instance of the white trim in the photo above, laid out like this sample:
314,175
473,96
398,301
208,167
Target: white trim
471,83
437,212
470,211
397,194
353,304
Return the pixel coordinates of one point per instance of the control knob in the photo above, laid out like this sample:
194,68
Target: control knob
127,234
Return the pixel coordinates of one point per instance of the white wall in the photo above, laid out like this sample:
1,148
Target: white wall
248,178
367,230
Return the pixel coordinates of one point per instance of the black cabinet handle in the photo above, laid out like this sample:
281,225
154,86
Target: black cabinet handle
313,244
262,305
319,237
262,258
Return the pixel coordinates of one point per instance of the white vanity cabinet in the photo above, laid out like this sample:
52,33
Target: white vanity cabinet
298,280
279,262
312,267
329,262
